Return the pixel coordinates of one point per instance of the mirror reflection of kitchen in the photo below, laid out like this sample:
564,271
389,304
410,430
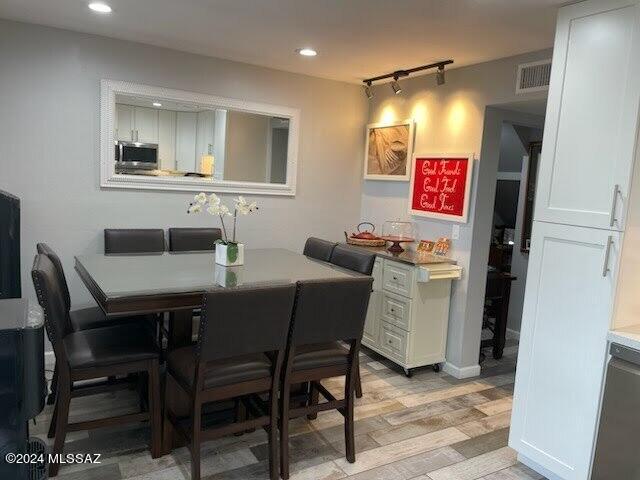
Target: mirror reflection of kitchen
157,137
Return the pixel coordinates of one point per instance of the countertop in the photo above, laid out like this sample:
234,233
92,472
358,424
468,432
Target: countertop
410,257
627,336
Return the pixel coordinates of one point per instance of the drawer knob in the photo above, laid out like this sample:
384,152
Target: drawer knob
395,278
393,310
390,341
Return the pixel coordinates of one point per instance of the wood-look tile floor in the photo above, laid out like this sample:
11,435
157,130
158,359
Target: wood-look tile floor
428,427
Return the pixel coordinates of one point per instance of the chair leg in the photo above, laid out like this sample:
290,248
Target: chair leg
155,409
358,380
349,439
54,387
52,424
239,414
196,427
314,396
285,398
63,399
273,435
167,427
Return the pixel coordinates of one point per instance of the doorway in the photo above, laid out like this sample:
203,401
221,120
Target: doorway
508,257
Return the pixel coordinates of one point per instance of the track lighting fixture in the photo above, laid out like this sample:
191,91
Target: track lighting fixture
368,91
440,75
395,85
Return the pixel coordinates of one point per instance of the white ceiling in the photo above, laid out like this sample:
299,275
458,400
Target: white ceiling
354,38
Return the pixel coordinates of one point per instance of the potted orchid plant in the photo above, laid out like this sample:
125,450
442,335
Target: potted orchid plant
229,252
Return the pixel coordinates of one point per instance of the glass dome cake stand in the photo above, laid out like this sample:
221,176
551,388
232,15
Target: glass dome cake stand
397,232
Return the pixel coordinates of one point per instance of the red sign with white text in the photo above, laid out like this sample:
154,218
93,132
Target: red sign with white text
440,186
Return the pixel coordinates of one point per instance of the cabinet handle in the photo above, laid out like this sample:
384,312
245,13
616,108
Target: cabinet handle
612,215
395,278
132,138
607,252
137,136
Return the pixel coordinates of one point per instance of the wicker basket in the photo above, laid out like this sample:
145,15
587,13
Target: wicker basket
377,242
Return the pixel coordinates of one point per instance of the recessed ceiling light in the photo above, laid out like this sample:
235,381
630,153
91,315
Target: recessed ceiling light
307,52
100,7
157,104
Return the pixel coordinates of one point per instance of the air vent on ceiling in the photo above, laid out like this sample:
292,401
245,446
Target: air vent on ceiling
533,76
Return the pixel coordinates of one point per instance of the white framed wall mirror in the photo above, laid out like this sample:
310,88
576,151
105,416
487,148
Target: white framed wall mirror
163,139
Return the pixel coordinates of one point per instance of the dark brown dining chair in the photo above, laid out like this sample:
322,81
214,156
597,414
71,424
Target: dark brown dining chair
81,319
318,248
134,240
359,261
193,239
90,355
352,258
326,314
240,327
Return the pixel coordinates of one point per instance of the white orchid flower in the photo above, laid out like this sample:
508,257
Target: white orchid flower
195,208
224,210
214,200
200,198
243,207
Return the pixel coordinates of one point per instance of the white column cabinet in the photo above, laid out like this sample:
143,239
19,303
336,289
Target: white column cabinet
592,115
581,202
567,314
186,124
167,139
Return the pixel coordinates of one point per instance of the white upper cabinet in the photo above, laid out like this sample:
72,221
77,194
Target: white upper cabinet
186,132
563,343
592,115
124,123
146,125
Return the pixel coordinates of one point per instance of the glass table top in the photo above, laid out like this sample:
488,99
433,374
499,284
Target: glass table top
177,272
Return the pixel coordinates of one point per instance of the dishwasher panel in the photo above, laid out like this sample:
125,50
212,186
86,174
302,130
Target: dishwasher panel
617,454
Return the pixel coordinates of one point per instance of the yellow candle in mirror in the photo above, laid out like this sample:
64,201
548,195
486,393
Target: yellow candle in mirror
207,163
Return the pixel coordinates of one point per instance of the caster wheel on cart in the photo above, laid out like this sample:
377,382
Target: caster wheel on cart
408,372
436,367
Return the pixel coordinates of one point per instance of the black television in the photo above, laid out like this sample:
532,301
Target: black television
9,246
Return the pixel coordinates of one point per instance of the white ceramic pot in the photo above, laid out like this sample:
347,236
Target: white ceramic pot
230,255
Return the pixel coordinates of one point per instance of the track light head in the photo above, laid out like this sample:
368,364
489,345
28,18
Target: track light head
368,91
440,75
395,86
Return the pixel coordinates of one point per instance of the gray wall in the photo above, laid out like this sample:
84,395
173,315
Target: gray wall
49,145
451,119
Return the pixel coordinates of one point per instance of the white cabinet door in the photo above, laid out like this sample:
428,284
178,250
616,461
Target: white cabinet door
186,123
146,125
124,123
592,115
167,139
371,334
567,311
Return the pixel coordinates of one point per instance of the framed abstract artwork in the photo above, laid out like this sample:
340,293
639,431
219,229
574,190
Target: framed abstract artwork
388,151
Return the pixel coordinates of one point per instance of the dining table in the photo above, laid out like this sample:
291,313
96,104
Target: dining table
175,282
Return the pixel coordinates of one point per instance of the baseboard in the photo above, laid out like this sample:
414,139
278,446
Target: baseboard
464,372
513,334
538,468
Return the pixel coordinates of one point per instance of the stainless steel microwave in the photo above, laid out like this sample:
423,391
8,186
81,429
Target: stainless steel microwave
136,156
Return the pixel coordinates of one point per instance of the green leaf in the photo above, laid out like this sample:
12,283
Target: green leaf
232,252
